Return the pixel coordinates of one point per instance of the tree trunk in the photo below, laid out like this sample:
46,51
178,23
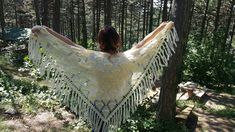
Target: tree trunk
16,16
164,13
173,73
170,9
125,36
97,16
93,21
130,30
45,19
231,38
56,16
122,22
71,21
160,12
215,33
2,20
108,11
84,31
144,19
78,22
151,16
115,14
204,21
138,27
217,15
147,17
36,8
228,25
192,13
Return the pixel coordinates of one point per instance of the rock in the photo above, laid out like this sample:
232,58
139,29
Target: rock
199,93
44,117
182,96
190,86
11,111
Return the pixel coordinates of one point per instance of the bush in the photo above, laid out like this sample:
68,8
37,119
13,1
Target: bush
209,63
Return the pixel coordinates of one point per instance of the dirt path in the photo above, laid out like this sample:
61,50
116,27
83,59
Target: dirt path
44,121
216,122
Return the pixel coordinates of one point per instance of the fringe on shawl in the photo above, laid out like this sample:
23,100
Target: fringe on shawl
146,81
78,103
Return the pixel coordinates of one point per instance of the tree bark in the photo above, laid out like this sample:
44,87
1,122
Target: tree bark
164,13
138,27
122,22
71,21
160,12
228,25
173,73
130,30
170,9
93,21
36,8
231,38
78,22
56,16
45,19
147,17
217,15
144,19
108,12
97,16
2,20
84,30
125,35
16,16
151,16
204,21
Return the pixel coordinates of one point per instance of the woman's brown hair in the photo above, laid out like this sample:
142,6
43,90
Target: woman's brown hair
109,40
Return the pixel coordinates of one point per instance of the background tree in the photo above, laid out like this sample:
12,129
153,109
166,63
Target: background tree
45,19
164,11
2,20
173,73
84,29
56,16
36,8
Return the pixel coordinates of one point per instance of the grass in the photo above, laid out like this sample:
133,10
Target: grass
3,127
31,98
226,112
144,120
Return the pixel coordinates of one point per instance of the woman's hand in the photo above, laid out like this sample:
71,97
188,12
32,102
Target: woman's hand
149,37
36,30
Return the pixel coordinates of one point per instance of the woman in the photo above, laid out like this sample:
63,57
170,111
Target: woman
108,39
102,87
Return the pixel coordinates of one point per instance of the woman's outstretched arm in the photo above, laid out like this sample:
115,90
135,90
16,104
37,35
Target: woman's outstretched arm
57,35
151,36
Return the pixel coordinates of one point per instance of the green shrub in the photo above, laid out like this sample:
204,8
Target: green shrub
209,63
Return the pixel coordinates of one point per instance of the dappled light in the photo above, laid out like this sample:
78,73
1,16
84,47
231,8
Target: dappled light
117,65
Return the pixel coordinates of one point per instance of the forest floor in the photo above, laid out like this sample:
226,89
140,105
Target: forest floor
216,113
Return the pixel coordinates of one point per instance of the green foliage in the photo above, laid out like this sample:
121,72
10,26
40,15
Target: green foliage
4,128
183,103
210,63
24,94
226,112
144,120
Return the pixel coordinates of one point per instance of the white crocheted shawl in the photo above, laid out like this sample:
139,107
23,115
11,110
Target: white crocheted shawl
102,90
